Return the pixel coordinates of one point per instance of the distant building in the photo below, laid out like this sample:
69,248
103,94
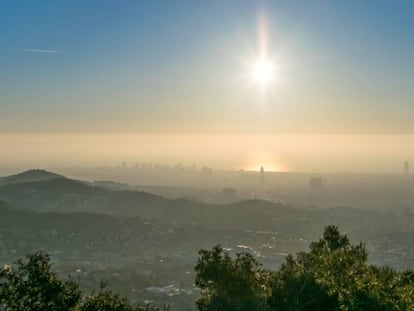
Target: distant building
406,167
315,182
261,177
207,171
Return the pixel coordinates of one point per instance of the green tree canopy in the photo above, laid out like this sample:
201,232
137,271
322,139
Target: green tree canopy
332,275
31,285
228,284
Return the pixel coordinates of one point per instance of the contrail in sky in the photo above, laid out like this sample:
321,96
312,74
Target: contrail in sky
39,51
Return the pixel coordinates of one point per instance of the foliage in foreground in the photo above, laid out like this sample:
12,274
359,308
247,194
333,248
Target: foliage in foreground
32,285
333,275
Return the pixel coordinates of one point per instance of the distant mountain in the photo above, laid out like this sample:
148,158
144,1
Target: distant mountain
57,195
43,191
64,201
63,195
29,176
66,195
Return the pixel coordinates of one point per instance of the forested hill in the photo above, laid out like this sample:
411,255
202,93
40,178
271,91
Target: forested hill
28,176
63,195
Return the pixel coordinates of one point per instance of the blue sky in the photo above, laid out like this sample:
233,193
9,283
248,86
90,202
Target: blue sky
162,66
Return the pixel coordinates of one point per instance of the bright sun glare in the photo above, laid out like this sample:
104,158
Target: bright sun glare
262,71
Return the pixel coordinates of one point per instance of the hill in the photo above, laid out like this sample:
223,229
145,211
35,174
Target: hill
66,195
29,176
63,195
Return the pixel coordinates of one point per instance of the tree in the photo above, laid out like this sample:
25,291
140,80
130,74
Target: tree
228,284
333,275
32,285
106,300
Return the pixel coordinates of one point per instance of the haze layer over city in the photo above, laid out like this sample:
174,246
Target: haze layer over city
140,140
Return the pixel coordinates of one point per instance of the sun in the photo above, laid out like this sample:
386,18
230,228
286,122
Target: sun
262,71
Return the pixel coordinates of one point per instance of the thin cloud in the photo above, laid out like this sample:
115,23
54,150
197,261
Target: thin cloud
39,51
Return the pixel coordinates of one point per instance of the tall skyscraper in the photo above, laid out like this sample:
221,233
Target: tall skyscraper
406,167
261,177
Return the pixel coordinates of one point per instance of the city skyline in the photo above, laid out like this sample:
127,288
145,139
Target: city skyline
284,153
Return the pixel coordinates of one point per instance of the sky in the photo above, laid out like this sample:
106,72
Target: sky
341,68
